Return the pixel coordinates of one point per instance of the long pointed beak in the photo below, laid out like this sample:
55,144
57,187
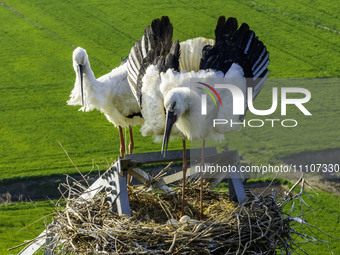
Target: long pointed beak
170,121
81,83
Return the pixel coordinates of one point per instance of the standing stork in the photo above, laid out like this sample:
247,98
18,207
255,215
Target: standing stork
160,72
239,58
149,60
110,94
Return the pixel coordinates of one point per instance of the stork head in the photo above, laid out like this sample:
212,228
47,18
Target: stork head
176,102
80,59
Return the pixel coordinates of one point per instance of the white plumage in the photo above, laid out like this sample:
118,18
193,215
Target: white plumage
162,75
191,53
161,89
153,93
110,94
236,55
179,88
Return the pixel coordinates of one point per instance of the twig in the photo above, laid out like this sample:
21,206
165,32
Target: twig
74,164
173,244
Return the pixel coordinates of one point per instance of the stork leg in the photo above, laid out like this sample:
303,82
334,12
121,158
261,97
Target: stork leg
201,180
122,144
184,168
131,145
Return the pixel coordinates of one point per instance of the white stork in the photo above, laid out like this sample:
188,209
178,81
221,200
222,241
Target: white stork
153,54
236,55
110,94
160,72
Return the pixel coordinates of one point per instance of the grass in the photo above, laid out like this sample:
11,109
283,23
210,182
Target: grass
36,76
325,216
16,223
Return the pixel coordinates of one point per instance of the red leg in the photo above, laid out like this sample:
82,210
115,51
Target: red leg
184,168
122,144
131,145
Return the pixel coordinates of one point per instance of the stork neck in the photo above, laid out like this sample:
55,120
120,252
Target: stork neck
89,77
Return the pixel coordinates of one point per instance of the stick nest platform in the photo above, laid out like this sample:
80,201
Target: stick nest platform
258,226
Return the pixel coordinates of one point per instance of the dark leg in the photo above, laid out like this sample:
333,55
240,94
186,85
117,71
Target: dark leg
122,144
201,181
131,145
184,168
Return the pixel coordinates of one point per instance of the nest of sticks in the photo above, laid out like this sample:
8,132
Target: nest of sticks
258,226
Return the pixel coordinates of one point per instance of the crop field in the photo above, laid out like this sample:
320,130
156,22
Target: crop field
37,39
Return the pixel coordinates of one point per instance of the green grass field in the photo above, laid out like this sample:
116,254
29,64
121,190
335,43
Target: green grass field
37,75
21,222
325,216
37,39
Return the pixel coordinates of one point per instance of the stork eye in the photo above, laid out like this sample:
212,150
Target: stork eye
173,105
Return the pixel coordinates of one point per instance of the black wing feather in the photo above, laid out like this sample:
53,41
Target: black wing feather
154,48
241,46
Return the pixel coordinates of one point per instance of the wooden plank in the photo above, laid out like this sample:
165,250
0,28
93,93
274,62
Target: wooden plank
126,164
140,175
161,185
179,175
232,159
123,205
114,186
197,153
36,245
104,181
94,189
145,178
50,240
236,188
172,155
122,199
225,158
